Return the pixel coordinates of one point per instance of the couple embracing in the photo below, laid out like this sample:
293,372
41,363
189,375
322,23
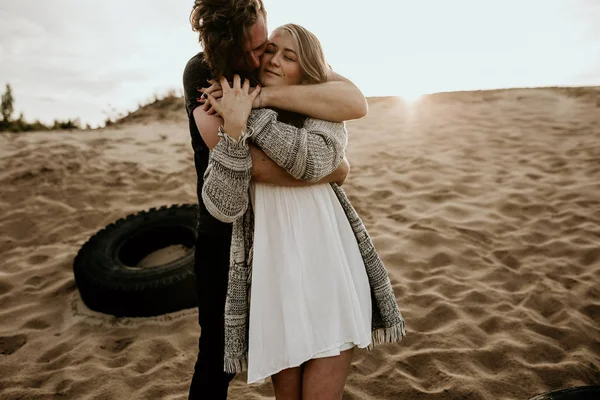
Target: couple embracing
288,280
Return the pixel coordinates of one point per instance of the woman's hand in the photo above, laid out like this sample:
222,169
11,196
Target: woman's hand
215,91
235,105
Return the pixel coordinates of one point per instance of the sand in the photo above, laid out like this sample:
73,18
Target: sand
485,207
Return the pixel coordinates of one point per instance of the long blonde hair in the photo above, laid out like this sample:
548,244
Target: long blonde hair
310,53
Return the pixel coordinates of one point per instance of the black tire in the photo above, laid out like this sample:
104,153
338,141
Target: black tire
105,266
575,393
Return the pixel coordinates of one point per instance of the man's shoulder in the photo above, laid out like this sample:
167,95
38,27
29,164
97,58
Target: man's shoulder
195,75
197,59
196,66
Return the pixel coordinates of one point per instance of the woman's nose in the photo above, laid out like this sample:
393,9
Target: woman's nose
275,60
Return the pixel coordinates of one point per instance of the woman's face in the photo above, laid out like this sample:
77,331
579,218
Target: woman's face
279,64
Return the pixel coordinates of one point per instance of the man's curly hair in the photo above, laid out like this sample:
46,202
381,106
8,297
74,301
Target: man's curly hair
223,27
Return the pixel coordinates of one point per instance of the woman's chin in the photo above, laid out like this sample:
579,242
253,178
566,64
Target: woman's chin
269,80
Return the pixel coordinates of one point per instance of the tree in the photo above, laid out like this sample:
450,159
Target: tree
7,104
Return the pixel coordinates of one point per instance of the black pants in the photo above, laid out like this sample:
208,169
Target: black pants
211,267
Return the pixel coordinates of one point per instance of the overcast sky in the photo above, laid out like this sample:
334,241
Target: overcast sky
93,58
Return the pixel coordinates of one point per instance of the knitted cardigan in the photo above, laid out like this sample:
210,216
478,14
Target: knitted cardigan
309,153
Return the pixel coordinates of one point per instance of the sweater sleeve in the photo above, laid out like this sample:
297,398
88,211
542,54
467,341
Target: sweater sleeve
227,178
309,153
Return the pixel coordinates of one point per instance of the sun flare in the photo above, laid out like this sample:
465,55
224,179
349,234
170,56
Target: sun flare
411,96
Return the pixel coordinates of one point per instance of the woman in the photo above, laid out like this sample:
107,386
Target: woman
318,288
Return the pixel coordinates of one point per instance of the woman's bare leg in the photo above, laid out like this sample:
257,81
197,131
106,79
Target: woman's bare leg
288,384
325,378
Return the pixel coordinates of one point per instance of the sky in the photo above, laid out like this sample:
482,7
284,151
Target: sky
94,59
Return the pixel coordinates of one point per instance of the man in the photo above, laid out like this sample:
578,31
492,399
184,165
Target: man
234,36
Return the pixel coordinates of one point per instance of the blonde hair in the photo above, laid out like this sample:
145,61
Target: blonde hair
310,53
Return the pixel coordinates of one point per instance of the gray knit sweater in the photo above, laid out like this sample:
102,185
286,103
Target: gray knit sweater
309,153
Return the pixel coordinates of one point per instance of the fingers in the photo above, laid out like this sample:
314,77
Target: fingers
205,104
217,94
231,96
246,86
211,88
214,104
256,88
225,84
215,90
208,108
255,92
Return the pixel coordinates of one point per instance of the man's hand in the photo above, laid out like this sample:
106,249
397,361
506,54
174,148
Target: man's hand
265,170
336,100
341,173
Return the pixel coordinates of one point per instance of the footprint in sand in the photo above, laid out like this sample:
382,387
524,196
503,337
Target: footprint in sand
38,259
11,344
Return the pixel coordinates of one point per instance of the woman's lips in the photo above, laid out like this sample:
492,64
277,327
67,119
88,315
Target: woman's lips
271,72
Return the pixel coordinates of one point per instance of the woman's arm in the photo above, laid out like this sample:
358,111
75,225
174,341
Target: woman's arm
227,178
309,153
264,169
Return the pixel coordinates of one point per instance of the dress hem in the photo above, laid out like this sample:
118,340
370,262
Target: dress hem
297,364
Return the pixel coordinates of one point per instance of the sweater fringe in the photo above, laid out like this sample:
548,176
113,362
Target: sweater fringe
388,335
235,365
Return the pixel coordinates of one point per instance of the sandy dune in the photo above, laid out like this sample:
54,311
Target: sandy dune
484,206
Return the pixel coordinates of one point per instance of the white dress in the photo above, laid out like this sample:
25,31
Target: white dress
310,295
